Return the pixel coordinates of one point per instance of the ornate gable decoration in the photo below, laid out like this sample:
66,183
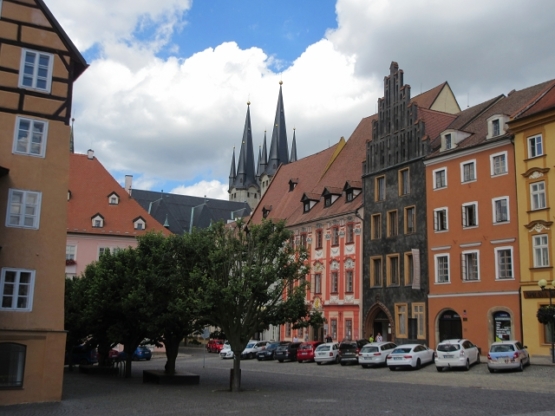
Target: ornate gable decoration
539,226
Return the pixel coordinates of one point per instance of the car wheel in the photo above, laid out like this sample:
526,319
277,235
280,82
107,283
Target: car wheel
342,363
467,365
300,361
491,370
478,359
439,369
365,365
280,361
148,359
520,367
318,362
418,364
392,368
337,360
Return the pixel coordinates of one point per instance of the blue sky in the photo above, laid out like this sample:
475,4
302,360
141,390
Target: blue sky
164,98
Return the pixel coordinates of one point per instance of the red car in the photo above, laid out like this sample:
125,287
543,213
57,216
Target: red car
306,351
215,345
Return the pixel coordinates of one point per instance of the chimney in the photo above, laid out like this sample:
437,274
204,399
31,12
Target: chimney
128,182
90,154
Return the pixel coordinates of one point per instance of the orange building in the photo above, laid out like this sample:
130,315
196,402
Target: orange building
38,65
473,226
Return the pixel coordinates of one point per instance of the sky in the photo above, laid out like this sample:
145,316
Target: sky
165,96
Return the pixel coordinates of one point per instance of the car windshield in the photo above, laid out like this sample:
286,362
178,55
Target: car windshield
282,347
502,348
401,350
448,347
370,349
271,347
347,345
306,347
251,345
323,348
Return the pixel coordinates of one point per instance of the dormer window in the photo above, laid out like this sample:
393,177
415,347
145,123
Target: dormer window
139,223
266,211
349,195
448,141
113,199
495,128
97,221
293,183
309,200
327,201
306,206
451,138
496,125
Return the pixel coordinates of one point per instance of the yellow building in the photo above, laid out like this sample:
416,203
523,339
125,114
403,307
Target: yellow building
38,65
534,141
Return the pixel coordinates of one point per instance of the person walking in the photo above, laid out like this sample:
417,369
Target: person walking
371,339
328,338
379,337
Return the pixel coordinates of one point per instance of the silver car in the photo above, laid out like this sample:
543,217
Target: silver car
507,355
327,353
375,353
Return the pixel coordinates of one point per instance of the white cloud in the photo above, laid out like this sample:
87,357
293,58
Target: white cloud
209,189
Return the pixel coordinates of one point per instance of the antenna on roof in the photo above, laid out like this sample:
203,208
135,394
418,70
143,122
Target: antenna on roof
468,99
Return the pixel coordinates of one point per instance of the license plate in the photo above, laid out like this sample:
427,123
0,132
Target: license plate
448,356
397,358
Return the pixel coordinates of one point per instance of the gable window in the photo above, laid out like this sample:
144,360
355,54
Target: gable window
98,221
318,239
440,178
36,70
537,195
327,201
335,236
376,226
541,253
16,287
139,223
392,223
468,171
535,146
469,265
393,270
306,206
504,263
350,235
440,219
500,209
404,182
317,283
113,199
498,164
409,268
470,215
349,195
448,141
410,220
496,128
380,188
23,209
334,282
376,271
30,137
442,268
349,281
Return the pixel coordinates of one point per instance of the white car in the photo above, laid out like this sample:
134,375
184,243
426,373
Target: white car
252,348
410,355
226,352
507,354
327,353
456,353
375,353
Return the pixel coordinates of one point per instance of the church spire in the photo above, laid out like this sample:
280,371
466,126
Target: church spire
262,159
278,146
232,172
245,167
293,157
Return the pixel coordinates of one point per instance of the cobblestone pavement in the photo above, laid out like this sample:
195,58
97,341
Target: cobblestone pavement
273,388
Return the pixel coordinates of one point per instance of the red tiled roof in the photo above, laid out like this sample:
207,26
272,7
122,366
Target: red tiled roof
544,101
90,184
427,98
435,121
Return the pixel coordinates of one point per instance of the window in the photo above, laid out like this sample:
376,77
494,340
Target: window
349,328
334,282
17,286
376,271
470,214
70,252
401,319
36,70
350,237
410,220
288,329
376,226
30,137
548,333
404,182
440,219
23,209
468,171
303,240
12,365
98,221
419,313
440,178
392,223
498,164
393,270
442,268
535,147
469,265
349,281
317,283
380,189
504,263
327,201
335,236
306,206
333,326
139,223
500,209
541,253
537,195
318,239
496,130
349,195
448,141
409,269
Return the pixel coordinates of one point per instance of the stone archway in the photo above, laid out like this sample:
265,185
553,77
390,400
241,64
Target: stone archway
379,319
448,325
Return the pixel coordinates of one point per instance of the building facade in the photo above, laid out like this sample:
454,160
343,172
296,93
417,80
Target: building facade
38,66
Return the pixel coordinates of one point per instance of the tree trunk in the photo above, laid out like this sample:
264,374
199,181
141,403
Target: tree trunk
236,380
172,348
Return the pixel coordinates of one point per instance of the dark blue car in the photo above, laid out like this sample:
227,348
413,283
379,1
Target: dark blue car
141,353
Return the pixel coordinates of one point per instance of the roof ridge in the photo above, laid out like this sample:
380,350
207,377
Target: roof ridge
535,99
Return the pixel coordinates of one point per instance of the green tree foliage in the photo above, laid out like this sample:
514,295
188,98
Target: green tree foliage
314,319
252,278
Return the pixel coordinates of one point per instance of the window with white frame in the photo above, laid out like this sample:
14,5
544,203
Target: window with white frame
113,199
349,281
535,146
35,71
504,263
30,137
495,127
537,195
140,224
12,363
541,250
470,215
448,141
442,268
469,266
440,219
70,252
468,171
23,209
98,221
440,178
500,209
16,286
498,164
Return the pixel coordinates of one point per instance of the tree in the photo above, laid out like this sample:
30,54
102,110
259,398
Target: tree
314,319
252,277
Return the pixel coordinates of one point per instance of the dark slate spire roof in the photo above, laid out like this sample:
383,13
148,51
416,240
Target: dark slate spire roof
279,146
232,172
262,159
293,157
246,174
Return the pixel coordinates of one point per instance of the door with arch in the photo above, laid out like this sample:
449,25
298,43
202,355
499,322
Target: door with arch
449,325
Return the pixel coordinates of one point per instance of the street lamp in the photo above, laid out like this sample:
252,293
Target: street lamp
543,286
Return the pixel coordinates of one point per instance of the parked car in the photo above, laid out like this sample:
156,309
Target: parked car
287,352
268,352
349,349
507,355
226,352
410,355
82,355
215,345
306,351
142,352
375,353
252,348
327,353
456,353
